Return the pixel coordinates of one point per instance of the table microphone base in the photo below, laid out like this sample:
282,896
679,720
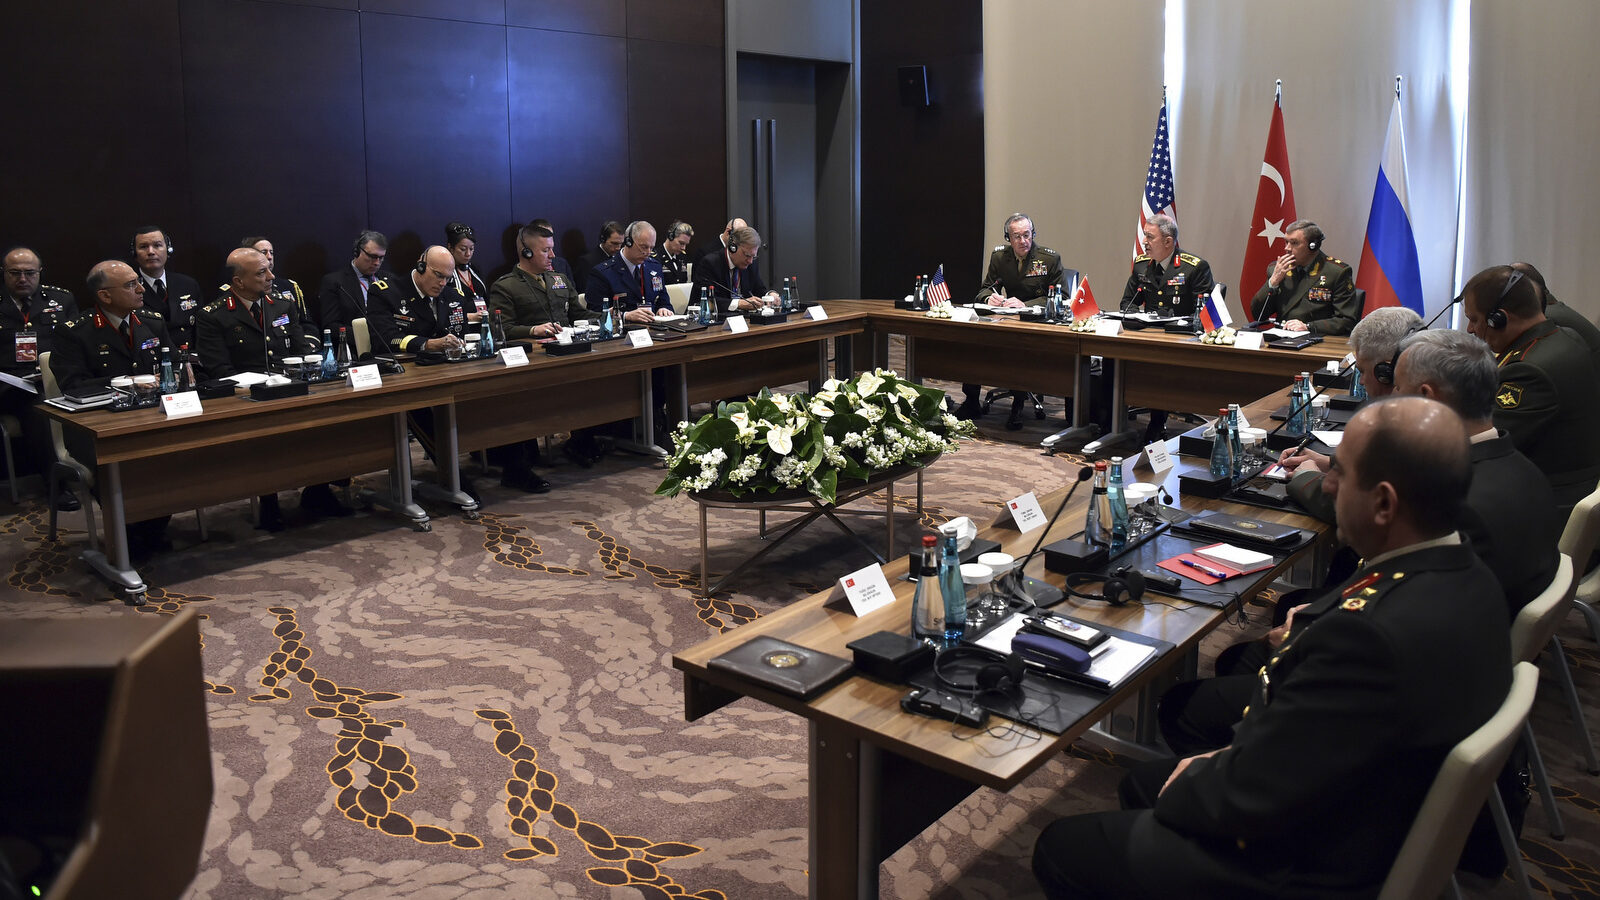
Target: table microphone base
1070,438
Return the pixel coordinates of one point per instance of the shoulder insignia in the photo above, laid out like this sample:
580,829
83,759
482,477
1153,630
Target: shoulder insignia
150,313
215,306
999,247
1338,262
1046,251
380,283
1189,258
1363,584
1141,259
1354,604
1508,397
223,286
51,287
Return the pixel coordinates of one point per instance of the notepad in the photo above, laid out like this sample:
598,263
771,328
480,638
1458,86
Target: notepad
1236,558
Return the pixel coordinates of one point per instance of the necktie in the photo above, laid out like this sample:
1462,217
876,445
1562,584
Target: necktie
255,310
126,332
736,284
640,270
363,280
159,288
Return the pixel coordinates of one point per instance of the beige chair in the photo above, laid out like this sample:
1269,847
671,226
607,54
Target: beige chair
1579,541
10,428
358,329
1427,861
680,296
1532,631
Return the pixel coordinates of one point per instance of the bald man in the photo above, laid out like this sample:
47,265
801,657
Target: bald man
251,327
419,309
1348,723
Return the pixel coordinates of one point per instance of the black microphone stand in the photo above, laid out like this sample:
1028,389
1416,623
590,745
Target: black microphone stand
1025,586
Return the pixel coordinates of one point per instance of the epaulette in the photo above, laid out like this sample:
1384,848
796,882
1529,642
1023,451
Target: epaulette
215,306
72,323
380,284
1140,259
1189,258
151,314
1046,250
1368,590
999,247
1338,262
51,287
223,287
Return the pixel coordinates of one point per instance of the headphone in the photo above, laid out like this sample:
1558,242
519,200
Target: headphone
1384,371
523,249
133,242
1496,317
363,239
1125,585
1033,233
996,671
627,233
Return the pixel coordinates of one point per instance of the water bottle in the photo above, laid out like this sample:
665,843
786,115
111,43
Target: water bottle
346,357
1235,440
487,346
607,329
1221,448
1052,304
186,372
1296,425
707,314
1119,506
330,364
919,296
927,605
794,290
953,590
169,381
1358,391
788,295
1094,523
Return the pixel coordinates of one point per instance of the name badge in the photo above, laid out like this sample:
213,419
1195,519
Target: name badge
866,589
483,308
181,406
640,338
1107,327
1026,513
360,378
27,347
816,313
513,357
737,324
1247,340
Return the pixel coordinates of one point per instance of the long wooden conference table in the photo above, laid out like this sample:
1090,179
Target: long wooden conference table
147,465
878,776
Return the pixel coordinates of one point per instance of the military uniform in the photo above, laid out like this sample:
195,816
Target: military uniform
1546,401
525,300
178,302
1577,323
1174,290
674,269
643,287
231,338
1027,279
1346,729
89,351
1322,295
36,316
400,318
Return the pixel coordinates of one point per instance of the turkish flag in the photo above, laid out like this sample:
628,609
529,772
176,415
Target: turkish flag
1274,211
1083,305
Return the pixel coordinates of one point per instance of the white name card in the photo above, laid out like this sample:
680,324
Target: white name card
1160,460
816,313
737,324
181,406
1026,513
1247,340
513,357
1107,327
640,338
962,314
866,589
360,378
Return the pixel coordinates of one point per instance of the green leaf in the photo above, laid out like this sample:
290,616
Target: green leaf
826,486
670,486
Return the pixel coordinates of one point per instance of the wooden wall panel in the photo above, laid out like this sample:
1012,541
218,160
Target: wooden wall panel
675,168
681,21
580,16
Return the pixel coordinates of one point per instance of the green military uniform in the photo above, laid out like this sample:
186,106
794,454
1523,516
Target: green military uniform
1027,279
1322,295
1577,323
1545,402
525,300
1168,290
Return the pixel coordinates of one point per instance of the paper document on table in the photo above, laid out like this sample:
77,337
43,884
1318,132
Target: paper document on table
245,379
1331,438
671,318
1273,334
1115,658
20,383
999,637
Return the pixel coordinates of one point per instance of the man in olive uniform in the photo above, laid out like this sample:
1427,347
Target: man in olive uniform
419,309
1350,720
1020,271
173,294
29,314
1306,289
1166,282
116,336
1548,387
533,299
1564,315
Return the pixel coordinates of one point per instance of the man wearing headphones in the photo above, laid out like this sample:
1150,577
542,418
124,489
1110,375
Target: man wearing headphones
674,253
420,310
534,300
1306,289
1167,282
1348,722
342,295
720,248
610,242
1548,386
173,294
732,275
631,279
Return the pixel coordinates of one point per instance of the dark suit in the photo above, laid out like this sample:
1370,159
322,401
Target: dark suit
1027,279
1578,324
1322,295
1546,402
41,313
1347,728
1168,290
525,300
181,303
89,351
589,260
715,272
230,340
339,300
401,319
612,278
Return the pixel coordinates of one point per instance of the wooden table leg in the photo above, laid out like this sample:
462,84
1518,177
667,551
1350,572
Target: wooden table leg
843,817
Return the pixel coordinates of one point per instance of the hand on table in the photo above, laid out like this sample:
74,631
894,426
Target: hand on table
1295,325
640,315
1296,458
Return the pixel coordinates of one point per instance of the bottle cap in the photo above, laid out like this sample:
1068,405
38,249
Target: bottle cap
929,540
1099,465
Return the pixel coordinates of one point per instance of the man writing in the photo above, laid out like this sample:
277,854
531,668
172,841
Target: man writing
419,310
732,276
631,279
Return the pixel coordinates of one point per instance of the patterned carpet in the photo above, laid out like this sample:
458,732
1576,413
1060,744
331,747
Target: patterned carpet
488,709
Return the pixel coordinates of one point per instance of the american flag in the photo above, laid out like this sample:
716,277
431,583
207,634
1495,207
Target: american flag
938,291
1158,191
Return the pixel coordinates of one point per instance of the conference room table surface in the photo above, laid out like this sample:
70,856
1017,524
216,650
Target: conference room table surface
879,775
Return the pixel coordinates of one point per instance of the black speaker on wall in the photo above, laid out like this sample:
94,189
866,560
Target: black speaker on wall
914,86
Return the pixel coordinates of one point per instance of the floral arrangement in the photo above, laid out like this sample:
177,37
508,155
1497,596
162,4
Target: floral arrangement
848,430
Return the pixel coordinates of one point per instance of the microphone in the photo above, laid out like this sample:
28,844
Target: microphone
1084,474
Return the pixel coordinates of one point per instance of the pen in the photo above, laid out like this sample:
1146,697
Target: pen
1209,571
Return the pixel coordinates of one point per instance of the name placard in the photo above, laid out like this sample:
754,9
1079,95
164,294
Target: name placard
737,324
1026,513
866,589
962,314
1247,340
640,338
1107,327
1160,460
181,406
513,357
816,313
360,378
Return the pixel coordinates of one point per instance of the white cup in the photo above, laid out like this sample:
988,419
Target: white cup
976,573
1001,563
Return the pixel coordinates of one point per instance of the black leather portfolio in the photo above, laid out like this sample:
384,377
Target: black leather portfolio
782,666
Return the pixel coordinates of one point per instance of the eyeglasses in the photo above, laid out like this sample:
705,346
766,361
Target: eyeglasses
132,285
375,257
23,273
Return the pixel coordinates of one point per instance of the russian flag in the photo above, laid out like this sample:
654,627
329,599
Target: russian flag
1389,272
1214,311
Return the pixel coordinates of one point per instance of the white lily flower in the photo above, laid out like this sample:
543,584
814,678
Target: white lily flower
780,439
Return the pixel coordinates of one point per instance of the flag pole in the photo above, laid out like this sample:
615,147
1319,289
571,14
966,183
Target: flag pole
1397,87
1277,93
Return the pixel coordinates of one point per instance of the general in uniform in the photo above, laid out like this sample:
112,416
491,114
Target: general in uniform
403,318
236,337
526,301
1173,287
1320,293
1546,404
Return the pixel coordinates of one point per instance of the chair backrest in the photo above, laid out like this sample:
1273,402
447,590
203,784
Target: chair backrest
1432,848
52,389
1361,300
1583,529
680,296
1537,621
358,329
688,274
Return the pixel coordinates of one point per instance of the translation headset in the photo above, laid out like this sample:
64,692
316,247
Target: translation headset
422,262
1033,233
1384,371
627,233
523,249
1123,586
1496,317
995,671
